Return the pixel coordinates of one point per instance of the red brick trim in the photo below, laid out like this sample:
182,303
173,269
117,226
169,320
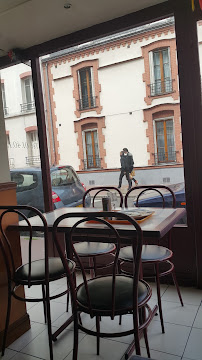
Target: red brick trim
7,132
97,87
113,44
162,111
31,128
171,43
55,156
25,74
89,123
2,81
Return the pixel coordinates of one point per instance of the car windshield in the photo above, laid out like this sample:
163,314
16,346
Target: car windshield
63,176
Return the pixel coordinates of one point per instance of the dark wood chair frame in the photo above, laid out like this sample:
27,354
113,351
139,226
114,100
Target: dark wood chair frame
171,270
93,266
141,320
13,282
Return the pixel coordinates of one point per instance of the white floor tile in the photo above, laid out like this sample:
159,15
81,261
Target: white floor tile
61,348
26,338
21,356
172,342
189,295
37,315
194,346
198,320
108,325
158,355
109,350
86,321
8,354
163,288
174,313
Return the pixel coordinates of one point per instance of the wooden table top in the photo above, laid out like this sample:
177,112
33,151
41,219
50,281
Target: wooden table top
156,225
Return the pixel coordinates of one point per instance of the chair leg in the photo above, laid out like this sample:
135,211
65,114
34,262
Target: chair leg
159,296
136,334
94,266
7,320
44,302
67,307
177,286
76,337
48,312
98,334
145,332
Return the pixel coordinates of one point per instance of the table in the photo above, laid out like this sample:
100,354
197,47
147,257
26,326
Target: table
155,226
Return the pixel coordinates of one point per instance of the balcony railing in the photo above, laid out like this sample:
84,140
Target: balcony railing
5,111
92,162
87,102
164,157
161,87
33,160
26,107
11,163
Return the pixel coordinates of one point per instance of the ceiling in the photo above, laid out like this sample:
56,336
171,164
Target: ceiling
25,23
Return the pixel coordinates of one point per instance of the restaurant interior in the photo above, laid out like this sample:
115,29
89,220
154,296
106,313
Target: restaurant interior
40,28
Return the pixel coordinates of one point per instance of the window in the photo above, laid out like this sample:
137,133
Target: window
24,181
33,148
161,82
4,99
165,143
91,149
86,97
63,176
27,92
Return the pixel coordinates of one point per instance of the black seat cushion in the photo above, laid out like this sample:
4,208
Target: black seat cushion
149,253
100,291
56,270
93,248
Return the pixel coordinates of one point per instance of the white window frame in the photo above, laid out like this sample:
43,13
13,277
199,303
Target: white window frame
151,62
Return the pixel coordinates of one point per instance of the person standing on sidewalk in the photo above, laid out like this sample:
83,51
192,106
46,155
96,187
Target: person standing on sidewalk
127,162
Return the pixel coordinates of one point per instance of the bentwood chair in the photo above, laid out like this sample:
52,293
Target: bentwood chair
38,272
93,250
108,295
154,254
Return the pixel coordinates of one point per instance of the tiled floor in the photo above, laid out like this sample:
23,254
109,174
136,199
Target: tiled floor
182,338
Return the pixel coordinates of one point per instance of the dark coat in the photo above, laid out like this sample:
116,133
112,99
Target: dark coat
127,162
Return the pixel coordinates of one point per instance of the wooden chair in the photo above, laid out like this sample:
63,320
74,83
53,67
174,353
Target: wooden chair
38,272
109,295
92,250
153,254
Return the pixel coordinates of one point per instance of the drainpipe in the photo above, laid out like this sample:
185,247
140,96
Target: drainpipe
50,112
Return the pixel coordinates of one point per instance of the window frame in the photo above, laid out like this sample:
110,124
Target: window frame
25,103
154,93
89,84
164,119
85,149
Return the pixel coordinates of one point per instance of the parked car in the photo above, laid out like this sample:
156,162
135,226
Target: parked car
150,199
67,189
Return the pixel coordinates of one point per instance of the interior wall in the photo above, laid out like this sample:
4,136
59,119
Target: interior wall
5,172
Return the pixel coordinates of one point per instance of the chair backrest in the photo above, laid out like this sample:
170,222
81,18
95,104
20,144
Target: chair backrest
88,221
158,189
6,236
98,190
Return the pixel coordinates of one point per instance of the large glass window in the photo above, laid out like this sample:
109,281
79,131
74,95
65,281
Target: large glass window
92,149
165,142
27,92
87,100
161,82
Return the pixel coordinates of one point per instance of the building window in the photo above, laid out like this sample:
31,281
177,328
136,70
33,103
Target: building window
33,157
92,158
161,82
5,108
165,142
86,88
27,95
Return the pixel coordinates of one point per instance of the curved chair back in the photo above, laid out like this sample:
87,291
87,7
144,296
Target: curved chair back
102,189
112,235
156,188
5,244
